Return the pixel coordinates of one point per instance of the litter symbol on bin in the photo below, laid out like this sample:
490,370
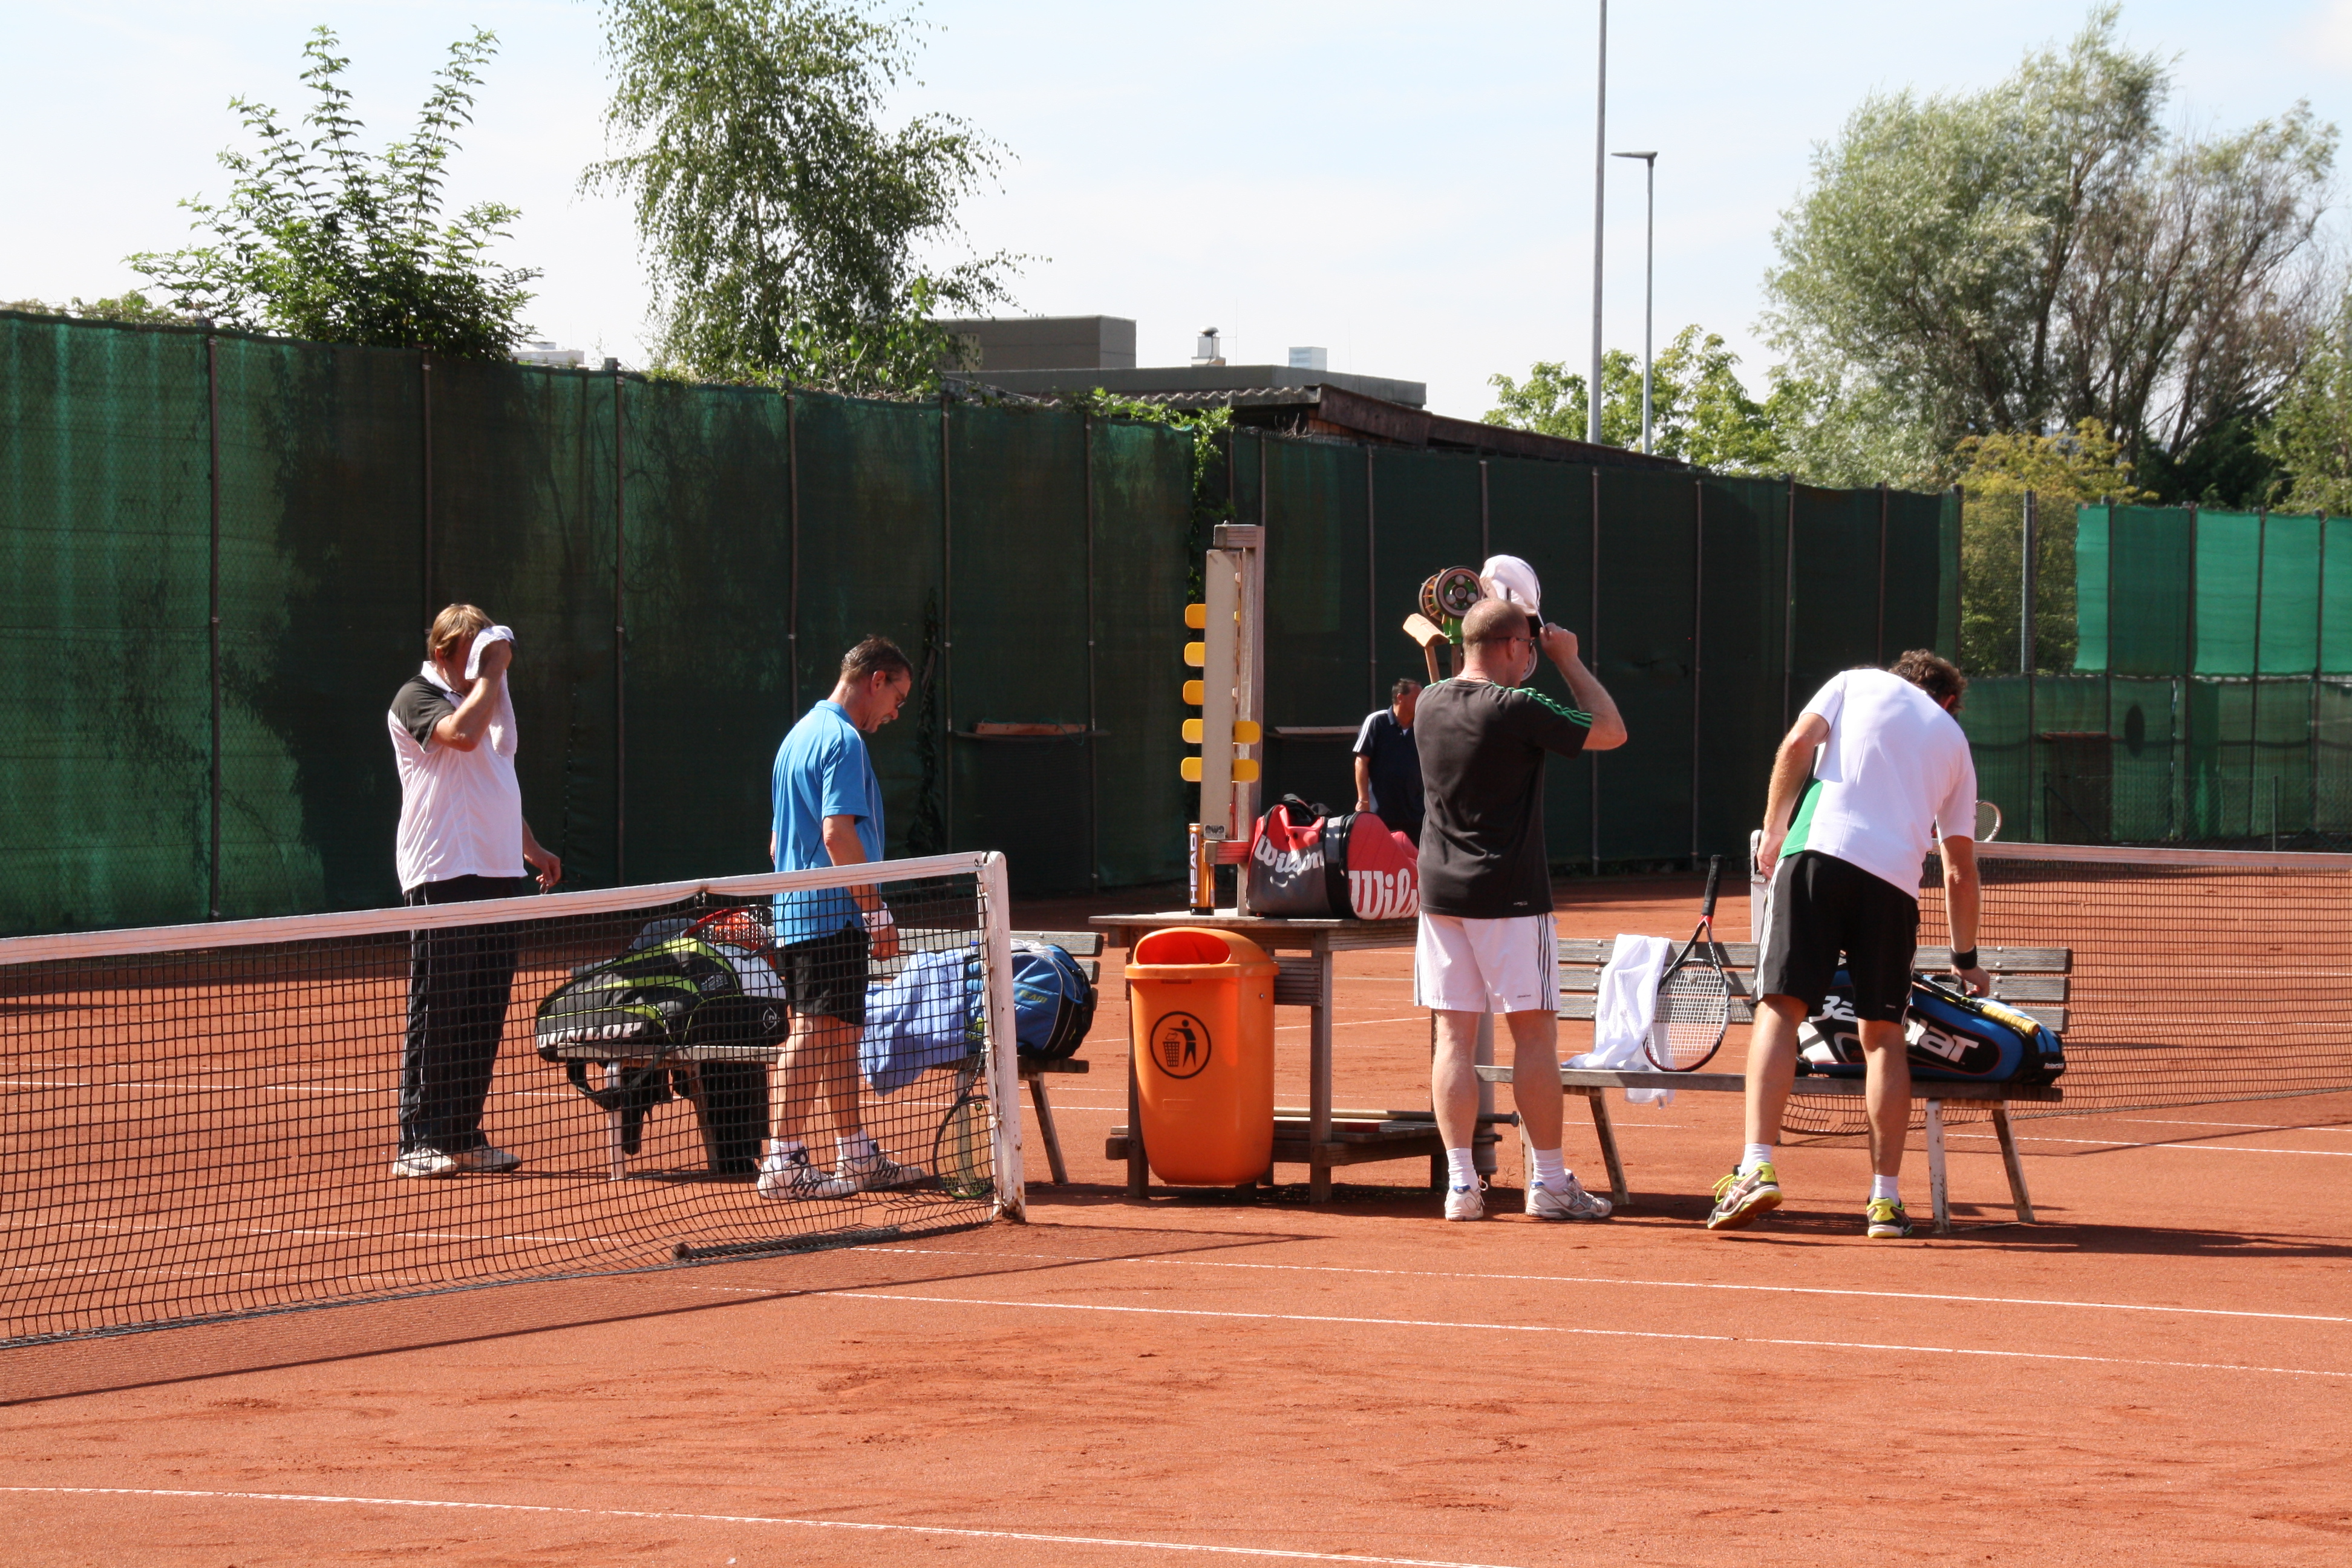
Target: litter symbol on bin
1180,1044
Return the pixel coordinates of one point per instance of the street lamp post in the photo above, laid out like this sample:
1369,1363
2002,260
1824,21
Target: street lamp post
1649,282
1600,177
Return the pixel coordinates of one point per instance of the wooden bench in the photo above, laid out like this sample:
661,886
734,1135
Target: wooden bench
683,1066
2033,980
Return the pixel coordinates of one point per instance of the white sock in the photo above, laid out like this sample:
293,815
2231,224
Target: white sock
1757,1154
1550,1171
1883,1187
854,1149
1461,1169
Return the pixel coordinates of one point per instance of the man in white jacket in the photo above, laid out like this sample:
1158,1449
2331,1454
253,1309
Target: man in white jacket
462,838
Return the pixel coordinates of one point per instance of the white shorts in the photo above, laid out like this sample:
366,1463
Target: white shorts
1486,966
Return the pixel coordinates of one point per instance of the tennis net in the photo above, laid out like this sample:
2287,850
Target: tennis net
2196,976
217,1121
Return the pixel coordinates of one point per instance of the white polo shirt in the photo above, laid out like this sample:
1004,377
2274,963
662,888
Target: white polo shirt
1895,776
460,812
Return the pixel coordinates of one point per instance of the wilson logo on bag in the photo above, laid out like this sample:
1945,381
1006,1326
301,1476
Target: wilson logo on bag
1306,864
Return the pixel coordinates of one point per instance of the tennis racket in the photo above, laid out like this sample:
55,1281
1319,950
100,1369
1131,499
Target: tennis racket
1695,997
1988,821
963,1155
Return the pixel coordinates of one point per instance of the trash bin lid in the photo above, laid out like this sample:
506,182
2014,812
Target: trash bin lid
1193,947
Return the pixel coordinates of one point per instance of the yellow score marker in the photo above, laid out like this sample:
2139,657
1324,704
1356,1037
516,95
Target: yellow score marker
1245,731
1244,770
1196,654
1197,616
1196,693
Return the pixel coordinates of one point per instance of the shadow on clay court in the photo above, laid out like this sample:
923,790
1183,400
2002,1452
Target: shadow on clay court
312,1336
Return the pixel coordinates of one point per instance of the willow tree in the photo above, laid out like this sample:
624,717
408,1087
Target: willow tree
785,223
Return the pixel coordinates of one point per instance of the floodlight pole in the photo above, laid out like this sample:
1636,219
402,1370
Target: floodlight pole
1600,181
1649,282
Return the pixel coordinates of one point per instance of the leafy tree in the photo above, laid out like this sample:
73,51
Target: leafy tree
780,218
2310,437
1700,413
129,306
319,240
2046,252
2064,471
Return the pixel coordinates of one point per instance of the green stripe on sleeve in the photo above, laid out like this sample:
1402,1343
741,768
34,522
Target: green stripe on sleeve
1570,714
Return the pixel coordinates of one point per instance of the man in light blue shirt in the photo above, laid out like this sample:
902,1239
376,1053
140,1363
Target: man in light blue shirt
827,811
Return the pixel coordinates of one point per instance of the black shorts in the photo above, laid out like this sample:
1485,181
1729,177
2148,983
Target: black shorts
828,976
1823,907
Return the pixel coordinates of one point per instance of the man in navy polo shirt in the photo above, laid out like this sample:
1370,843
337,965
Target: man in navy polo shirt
828,812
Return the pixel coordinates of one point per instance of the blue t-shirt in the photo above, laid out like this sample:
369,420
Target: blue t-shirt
821,770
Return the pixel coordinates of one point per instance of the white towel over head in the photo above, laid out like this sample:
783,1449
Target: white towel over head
483,639
1512,580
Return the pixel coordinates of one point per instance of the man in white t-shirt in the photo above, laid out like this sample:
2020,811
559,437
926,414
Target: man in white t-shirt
1874,775
462,836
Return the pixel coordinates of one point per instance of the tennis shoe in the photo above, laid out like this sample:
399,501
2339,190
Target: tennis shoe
786,1179
878,1171
485,1159
1571,1201
1465,1203
1741,1201
1885,1220
424,1163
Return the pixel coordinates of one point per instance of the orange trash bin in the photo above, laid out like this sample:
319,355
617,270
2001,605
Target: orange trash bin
1200,1014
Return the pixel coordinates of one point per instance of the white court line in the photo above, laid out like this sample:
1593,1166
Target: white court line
1352,1023
2192,1148
2250,1126
1645,1284
1028,1535
878,1295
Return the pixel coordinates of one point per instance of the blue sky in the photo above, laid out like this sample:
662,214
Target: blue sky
1409,186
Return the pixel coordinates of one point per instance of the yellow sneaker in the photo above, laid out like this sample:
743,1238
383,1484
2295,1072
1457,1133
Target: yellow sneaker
1741,1201
1885,1220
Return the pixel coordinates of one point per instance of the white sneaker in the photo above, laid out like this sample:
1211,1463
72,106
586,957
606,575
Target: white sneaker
880,1171
1465,1203
785,1179
1571,1201
485,1159
424,1163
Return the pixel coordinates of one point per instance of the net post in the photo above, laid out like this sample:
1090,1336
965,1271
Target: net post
1003,1051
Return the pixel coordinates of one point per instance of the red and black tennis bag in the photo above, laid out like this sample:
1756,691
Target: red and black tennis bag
1306,863
1951,1037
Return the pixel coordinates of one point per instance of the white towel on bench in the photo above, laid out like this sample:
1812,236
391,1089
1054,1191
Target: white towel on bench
1623,1007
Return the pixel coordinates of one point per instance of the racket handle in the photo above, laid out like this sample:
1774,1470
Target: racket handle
1714,875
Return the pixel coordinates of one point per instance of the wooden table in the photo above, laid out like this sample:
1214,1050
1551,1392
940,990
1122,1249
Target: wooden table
1305,981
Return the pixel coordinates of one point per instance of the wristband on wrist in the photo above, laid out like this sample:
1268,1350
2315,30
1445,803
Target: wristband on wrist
879,919
1964,958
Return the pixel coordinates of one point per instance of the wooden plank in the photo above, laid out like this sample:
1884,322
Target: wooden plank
1581,1008
1594,952
1076,944
1825,1088
1068,1063
1298,983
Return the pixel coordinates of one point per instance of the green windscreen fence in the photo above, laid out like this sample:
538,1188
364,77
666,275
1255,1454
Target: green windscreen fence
221,551
2189,685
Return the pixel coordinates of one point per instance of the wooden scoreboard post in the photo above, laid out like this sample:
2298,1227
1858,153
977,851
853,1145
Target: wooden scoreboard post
1230,657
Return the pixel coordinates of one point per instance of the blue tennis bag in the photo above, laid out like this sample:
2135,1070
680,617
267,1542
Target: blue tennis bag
1950,1035
928,1013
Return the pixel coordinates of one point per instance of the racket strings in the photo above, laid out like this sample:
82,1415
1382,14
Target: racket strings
1694,1010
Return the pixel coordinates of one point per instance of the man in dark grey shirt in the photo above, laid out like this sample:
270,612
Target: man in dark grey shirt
1486,942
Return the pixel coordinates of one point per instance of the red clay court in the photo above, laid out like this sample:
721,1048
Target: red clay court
2163,1365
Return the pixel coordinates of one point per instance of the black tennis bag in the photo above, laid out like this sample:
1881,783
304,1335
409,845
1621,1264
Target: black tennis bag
1950,1035
678,984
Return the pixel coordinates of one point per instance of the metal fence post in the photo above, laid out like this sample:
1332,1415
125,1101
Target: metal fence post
213,618
2254,683
793,547
1372,585
1698,645
1093,746
2028,654
1593,663
620,641
1880,656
